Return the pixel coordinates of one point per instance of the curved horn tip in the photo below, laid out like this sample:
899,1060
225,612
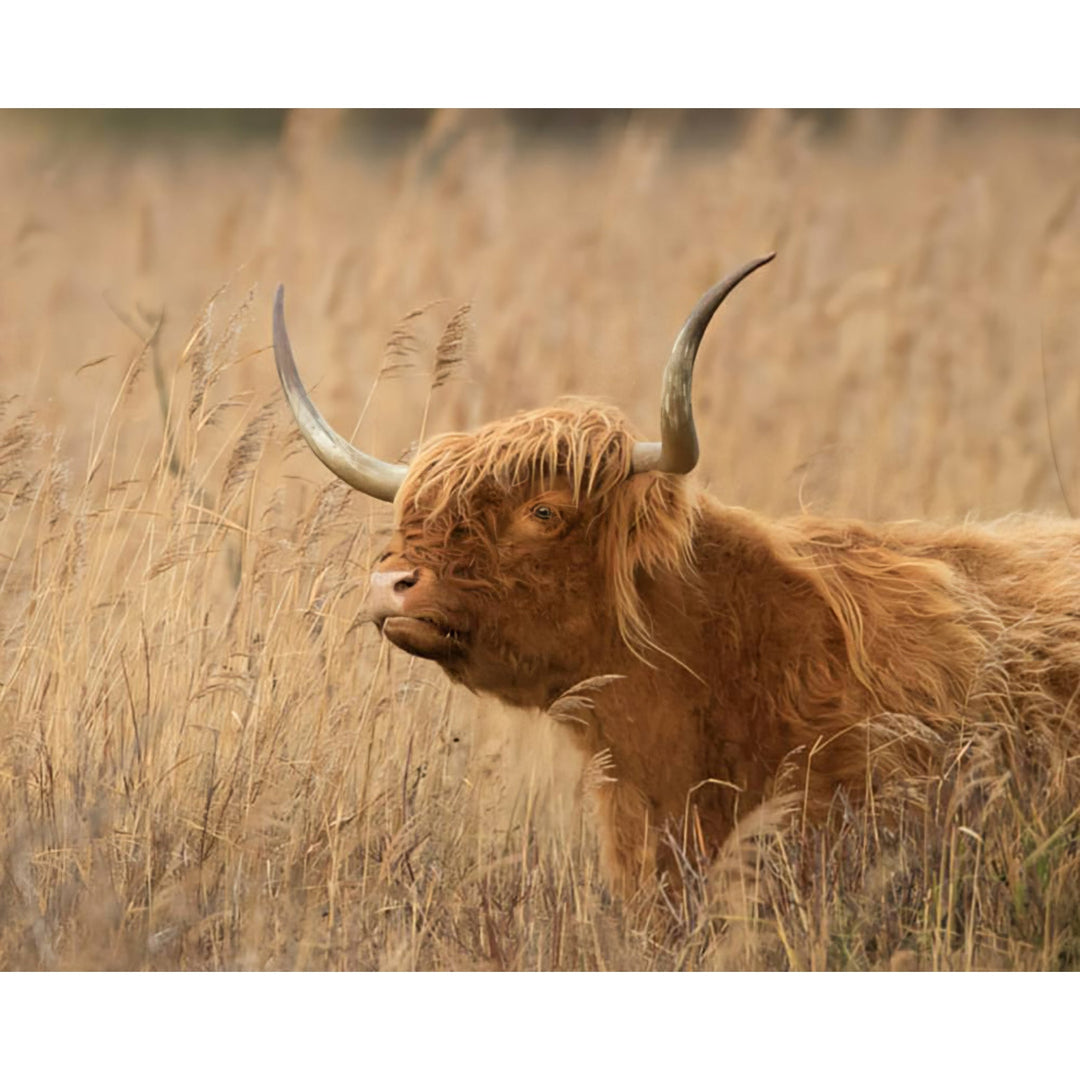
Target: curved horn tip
758,263
677,451
359,470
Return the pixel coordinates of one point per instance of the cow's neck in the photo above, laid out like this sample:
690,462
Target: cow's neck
699,714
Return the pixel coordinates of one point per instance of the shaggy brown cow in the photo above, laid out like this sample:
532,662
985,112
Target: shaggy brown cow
552,547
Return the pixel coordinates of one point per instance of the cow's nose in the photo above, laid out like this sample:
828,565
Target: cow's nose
388,589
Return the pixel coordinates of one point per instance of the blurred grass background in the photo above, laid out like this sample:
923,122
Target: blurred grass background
207,759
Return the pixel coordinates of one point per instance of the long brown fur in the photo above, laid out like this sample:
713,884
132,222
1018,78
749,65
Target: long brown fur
803,654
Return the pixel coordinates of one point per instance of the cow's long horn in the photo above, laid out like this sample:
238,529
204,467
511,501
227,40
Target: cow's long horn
677,452
363,472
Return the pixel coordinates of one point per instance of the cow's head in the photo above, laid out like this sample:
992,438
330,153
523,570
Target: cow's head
519,549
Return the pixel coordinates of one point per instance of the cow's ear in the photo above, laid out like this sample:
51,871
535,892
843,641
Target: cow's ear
649,528
634,495
661,522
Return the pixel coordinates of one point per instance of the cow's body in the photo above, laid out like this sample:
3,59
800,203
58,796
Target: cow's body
824,654
804,655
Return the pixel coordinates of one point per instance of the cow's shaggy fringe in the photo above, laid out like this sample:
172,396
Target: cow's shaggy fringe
648,520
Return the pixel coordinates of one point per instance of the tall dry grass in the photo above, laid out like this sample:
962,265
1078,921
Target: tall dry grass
208,759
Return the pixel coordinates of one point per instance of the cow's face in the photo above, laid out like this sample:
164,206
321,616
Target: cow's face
518,550
503,585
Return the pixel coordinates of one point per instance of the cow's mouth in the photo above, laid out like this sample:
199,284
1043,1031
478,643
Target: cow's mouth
424,637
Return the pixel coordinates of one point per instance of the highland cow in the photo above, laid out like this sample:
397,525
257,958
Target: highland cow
819,655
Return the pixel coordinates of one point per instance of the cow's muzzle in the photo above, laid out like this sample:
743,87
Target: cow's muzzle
402,613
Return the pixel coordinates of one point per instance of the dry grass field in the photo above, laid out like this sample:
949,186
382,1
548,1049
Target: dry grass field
208,760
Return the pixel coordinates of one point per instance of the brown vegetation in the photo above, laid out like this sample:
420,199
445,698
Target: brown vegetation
208,760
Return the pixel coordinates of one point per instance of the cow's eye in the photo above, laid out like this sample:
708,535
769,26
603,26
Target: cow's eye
542,512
